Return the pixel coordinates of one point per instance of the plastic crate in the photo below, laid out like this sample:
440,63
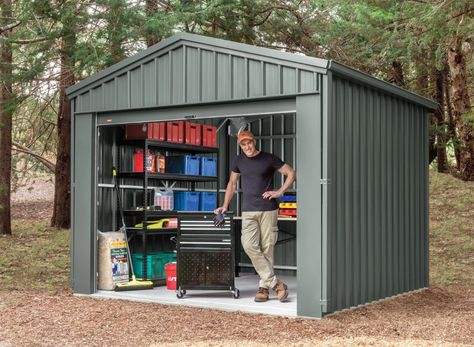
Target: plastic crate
288,212
288,198
186,201
192,132
175,131
208,166
151,131
207,201
288,205
184,164
209,136
155,266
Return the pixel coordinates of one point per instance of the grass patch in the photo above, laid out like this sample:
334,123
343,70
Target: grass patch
36,256
451,231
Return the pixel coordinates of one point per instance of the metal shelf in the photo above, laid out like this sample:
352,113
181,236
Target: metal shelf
161,231
167,176
172,146
151,213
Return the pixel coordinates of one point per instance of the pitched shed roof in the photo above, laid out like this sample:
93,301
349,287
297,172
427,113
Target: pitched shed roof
204,64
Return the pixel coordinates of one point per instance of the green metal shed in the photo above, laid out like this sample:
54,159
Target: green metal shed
360,146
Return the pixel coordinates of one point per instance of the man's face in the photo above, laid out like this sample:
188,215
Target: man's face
249,147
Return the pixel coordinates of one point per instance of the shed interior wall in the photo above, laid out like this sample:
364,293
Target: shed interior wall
274,133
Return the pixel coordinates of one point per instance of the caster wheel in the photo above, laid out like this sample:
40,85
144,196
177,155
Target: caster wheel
180,293
184,291
236,293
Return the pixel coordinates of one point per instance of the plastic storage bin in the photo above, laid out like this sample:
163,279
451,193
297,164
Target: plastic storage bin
192,132
208,166
184,164
207,201
155,267
209,136
186,201
175,131
164,198
151,131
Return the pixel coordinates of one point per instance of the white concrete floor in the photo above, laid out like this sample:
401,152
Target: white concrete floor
220,300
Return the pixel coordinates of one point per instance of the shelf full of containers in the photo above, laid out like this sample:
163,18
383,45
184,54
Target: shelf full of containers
164,157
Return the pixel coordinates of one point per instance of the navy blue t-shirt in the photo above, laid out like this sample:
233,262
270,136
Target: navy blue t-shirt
256,178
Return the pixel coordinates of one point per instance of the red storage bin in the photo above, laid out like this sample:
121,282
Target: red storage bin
192,133
151,131
170,270
175,131
209,136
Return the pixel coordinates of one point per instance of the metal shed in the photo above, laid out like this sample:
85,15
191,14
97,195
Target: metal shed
360,146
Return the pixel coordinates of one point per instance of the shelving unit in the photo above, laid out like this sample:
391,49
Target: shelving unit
144,213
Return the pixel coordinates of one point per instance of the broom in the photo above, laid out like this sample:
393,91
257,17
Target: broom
134,284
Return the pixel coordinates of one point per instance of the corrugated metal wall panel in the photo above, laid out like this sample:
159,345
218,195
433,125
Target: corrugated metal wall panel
177,76
123,96
149,83
255,75
164,80
377,196
136,87
208,75
193,69
239,80
187,74
272,79
97,98
224,80
109,95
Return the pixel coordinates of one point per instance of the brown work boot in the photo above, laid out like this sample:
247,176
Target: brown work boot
281,290
262,295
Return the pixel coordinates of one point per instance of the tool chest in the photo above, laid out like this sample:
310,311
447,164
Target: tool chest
205,254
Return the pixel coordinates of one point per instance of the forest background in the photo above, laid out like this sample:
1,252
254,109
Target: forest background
425,46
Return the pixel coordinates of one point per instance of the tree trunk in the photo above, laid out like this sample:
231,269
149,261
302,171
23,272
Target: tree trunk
151,7
6,111
451,135
62,192
461,108
440,123
397,72
422,85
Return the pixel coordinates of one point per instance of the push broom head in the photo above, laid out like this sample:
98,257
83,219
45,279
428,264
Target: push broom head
133,285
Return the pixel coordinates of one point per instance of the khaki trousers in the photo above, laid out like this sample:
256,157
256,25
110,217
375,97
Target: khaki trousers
259,235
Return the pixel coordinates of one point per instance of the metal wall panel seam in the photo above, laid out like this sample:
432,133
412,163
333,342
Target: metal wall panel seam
400,194
406,214
364,195
280,79
417,199
349,266
378,197
412,196
73,192
200,86
383,155
325,254
371,209
170,62
389,161
129,92
356,194
185,81
341,283
142,75
216,70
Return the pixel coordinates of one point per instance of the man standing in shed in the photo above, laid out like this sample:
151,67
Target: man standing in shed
259,209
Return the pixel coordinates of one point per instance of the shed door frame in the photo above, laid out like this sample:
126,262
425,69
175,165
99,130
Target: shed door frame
308,153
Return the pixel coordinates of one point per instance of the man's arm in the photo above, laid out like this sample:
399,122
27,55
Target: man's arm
290,174
229,192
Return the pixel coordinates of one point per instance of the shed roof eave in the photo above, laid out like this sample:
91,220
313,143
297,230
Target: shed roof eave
364,78
212,42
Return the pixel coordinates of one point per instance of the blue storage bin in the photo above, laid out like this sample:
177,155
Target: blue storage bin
208,166
186,201
288,198
184,164
207,201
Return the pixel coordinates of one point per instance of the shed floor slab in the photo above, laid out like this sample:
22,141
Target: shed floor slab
220,300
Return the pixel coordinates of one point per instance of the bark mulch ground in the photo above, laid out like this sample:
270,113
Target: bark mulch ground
432,317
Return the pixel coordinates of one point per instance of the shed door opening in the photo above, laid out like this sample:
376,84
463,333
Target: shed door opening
274,133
